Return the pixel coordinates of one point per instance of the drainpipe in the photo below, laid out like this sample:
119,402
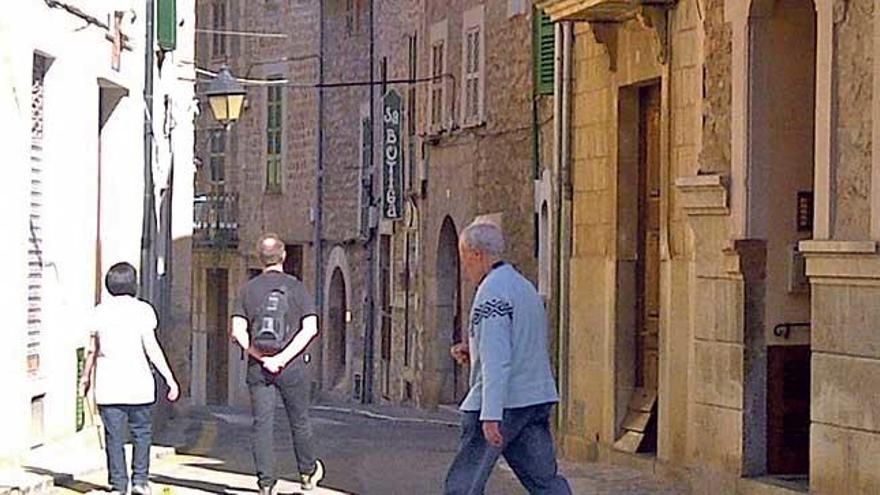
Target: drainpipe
563,195
367,391
319,173
148,264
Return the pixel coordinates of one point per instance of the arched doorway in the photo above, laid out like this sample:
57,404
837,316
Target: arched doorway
452,378
781,140
335,347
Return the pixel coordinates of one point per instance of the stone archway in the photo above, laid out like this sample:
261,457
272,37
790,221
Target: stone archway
333,362
448,314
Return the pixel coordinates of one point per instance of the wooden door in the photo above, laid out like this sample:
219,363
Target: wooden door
788,409
217,372
648,264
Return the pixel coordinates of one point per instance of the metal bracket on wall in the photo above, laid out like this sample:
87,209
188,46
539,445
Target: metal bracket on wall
606,34
784,329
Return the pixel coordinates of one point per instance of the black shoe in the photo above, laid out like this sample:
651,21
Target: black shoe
310,481
268,490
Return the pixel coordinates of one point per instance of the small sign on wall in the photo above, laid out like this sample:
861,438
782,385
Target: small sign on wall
798,283
805,211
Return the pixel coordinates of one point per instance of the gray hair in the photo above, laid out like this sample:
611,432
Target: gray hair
485,237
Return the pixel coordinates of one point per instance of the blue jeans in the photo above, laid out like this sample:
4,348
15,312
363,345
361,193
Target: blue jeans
528,449
140,424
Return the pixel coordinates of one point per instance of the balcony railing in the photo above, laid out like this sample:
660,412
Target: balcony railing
215,220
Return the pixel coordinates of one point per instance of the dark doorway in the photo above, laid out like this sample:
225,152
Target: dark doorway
452,377
335,334
217,297
293,263
788,409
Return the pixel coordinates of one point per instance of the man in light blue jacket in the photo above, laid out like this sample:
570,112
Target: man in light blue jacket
507,411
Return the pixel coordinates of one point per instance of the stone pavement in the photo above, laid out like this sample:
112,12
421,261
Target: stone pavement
375,450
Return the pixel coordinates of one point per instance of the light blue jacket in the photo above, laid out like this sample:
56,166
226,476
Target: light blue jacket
510,363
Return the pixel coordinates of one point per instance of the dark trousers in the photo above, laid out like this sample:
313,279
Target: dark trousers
294,387
528,449
140,424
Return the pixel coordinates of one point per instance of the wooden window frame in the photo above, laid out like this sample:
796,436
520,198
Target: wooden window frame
217,156
473,67
438,118
219,16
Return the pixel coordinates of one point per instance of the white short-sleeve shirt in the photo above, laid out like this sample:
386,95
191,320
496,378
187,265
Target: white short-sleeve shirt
122,372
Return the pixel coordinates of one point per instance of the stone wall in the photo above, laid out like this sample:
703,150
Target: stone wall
484,169
846,356
854,55
286,212
716,90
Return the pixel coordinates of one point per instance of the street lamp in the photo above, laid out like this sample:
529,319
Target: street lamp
226,97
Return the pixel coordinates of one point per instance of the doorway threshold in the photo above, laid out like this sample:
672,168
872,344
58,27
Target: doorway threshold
795,483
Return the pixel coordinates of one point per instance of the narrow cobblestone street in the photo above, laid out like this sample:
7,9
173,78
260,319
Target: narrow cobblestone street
367,452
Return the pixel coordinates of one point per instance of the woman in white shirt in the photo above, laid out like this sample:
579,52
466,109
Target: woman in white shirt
123,346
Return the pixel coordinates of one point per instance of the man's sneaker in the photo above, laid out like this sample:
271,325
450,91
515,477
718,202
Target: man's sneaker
139,489
268,490
310,481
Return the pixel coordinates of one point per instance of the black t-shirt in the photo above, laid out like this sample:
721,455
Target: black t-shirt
252,293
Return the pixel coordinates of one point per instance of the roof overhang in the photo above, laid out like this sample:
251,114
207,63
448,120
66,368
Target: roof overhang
589,10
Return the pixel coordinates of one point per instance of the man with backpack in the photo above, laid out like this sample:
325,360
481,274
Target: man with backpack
274,321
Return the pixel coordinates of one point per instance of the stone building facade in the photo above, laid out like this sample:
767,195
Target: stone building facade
257,176
75,98
477,158
723,241
346,250
390,297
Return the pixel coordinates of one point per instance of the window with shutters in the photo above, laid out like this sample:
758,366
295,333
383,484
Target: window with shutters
411,90
35,223
544,38
218,23
411,110
218,156
274,136
437,100
472,67
353,16
166,28
349,17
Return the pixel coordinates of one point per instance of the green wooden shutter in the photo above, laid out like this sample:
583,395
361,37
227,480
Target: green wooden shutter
166,27
544,39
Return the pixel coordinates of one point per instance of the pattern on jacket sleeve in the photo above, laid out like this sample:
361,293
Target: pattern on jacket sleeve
492,308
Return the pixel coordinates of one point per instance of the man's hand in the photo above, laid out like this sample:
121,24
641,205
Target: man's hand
273,364
492,432
173,391
461,353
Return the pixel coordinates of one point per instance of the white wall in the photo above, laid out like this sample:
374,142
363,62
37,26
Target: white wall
81,58
14,141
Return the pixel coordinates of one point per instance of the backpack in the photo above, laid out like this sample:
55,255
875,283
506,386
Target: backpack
273,331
